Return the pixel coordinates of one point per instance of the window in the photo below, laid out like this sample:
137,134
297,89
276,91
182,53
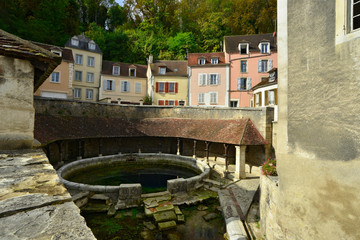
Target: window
91,61
214,60
132,72
201,98
55,77
91,45
171,87
78,59
271,97
138,87
74,41
233,103
116,70
109,85
89,94
181,103
264,65
125,86
213,98
243,66
244,48
265,47
162,70
257,100
90,77
57,52
78,76
171,103
355,15
77,93
201,61
213,79
244,84
202,79
161,87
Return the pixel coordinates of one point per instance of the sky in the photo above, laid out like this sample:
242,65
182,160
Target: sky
120,2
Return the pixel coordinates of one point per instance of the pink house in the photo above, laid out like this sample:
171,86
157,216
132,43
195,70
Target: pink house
250,58
208,75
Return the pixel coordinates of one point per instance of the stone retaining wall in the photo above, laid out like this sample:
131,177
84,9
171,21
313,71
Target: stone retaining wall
174,186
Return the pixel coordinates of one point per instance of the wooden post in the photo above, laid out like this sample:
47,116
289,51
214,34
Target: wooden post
139,147
194,150
226,146
160,145
59,143
100,147
207,149
119,144
79,150
178,147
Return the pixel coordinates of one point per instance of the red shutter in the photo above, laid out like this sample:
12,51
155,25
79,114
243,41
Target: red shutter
166,87
176,101
161,102
157,87
176,87
166,102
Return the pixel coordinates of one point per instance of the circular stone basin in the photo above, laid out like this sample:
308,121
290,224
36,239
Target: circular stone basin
152,171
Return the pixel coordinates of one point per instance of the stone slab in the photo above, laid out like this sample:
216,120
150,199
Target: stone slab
180,218
177,210
62,222
99,197
149,225
165,216
166,225
210,216
166,206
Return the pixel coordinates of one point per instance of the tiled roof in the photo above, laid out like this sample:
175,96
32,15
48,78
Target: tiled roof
107,67
239,132
66,53
232,42
173,68
43,60
193,58
83,44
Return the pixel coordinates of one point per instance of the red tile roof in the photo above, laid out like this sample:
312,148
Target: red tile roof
193,58
239,132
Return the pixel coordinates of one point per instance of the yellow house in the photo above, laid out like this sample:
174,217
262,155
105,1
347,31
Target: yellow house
59,83
122,83
167,82
88,60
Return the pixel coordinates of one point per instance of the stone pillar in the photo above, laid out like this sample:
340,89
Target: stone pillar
194,149
262,98
240,162
79,150
100,147
207,149
178,147
226,146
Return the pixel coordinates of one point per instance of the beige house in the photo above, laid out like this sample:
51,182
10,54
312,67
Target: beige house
167,82
87,67
59,83
122,83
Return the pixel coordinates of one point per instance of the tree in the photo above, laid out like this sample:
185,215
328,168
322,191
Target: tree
181,44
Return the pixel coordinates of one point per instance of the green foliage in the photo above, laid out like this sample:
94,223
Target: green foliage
269,168
165,28
147,100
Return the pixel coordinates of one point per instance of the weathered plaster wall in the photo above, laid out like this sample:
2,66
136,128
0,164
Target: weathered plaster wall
318,137
16,104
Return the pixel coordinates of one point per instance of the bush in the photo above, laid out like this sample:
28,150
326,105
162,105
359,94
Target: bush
269,167
147,100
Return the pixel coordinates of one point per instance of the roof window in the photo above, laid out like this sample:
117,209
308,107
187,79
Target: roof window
244,48
74,41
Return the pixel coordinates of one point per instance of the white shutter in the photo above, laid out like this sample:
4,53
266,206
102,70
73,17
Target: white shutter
122,86
248,82
270,62
238,84
200,79
259,65
218,79
105,86
128,85
208,79
113,85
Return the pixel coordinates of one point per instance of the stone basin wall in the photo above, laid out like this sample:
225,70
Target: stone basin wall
173,186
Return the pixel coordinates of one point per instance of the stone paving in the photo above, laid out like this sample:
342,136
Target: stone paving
33,202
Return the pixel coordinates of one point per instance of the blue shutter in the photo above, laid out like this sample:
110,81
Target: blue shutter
259,65
122,86
128,86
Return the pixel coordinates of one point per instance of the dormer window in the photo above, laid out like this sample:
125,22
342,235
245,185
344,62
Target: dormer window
214,60
244,48
162,70
57,52
265,47
132,72
75,41
116,70
91,45
201,61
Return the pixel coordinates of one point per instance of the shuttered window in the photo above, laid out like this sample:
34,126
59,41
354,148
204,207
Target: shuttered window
355,14
201,98
125,86
202,79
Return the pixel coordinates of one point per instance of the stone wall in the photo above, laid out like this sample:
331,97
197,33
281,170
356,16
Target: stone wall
16,104
318,138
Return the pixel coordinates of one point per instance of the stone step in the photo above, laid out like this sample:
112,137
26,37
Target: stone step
177,210
91,207
80,196
157,194
165,216
99,197
212,182
166,225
